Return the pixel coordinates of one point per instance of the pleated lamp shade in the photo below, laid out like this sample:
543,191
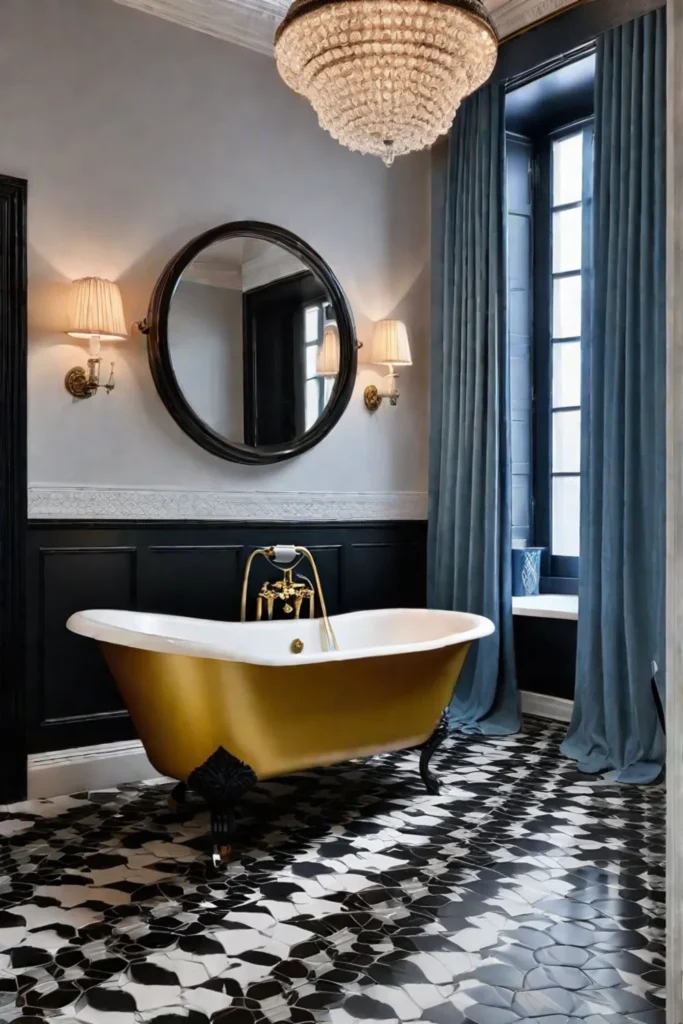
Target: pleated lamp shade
327,363
390,345
98,310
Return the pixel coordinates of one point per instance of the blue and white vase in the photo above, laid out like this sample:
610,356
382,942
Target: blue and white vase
526,571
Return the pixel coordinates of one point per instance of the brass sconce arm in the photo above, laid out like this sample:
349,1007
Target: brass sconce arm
82,384
373,395
141,326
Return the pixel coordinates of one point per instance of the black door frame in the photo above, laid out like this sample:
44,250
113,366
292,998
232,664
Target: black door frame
13,488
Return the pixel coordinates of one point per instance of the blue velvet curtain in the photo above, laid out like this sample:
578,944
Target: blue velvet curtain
470,482
622,566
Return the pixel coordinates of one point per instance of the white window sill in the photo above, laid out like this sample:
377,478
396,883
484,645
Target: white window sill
547,606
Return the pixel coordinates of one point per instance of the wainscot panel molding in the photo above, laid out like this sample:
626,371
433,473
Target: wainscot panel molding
178,568
87,503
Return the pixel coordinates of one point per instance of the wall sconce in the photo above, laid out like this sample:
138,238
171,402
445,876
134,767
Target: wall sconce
390,347
97,316
327,363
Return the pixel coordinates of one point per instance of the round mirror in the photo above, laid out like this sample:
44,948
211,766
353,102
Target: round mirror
251,343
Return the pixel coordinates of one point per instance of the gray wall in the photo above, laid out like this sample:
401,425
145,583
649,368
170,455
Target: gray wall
135,135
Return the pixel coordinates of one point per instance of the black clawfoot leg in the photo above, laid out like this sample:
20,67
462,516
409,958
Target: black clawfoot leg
429,749
222,829
222,780
178,797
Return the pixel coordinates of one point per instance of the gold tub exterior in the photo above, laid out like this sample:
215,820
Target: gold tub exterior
280,719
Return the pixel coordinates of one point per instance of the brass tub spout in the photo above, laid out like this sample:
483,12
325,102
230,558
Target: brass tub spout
291,593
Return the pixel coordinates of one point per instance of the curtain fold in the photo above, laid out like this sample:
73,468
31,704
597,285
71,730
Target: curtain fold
622,565
469,567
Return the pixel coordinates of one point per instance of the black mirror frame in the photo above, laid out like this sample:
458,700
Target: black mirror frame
162,367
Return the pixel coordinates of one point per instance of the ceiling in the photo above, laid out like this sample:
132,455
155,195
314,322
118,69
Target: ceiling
252,23
544,104
242,263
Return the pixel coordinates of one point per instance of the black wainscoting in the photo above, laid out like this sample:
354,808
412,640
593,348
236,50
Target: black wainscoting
192,569
545,653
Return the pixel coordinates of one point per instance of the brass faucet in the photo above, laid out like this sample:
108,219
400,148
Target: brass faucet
285,590
293,594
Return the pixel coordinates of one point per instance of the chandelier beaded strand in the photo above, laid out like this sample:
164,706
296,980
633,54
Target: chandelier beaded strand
386,76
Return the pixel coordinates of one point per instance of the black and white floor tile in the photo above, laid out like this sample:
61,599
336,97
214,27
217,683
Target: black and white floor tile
522,894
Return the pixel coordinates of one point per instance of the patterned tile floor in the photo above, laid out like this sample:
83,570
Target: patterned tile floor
521,894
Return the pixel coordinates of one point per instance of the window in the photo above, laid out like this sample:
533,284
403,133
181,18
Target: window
549,120
567,215
549,183
318,389
563,230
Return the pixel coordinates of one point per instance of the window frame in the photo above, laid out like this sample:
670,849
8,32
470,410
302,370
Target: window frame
559,572
324,384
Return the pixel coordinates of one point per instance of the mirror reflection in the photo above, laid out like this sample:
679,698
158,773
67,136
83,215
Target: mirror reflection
253,342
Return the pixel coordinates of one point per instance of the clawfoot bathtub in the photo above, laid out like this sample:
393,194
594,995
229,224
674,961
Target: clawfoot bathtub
219,705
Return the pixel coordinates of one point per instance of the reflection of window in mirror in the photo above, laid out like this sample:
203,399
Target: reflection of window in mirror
250,351
549,202
318,388
246,327
284,326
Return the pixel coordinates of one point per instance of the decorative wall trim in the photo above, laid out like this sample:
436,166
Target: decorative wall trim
60,772
110,503
543,706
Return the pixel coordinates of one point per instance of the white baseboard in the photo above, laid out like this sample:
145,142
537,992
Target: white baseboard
539,704
61,772
79,769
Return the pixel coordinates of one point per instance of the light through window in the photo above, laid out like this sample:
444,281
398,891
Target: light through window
318,389
566,320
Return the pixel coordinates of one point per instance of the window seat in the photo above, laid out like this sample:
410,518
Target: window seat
547,606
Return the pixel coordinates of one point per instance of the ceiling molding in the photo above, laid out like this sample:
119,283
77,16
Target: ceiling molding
512,16
252,23
249,23
213,274
272,265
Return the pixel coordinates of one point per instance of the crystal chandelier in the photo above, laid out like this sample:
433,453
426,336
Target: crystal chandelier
386,76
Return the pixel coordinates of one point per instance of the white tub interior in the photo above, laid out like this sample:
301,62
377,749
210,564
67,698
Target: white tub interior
359,634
